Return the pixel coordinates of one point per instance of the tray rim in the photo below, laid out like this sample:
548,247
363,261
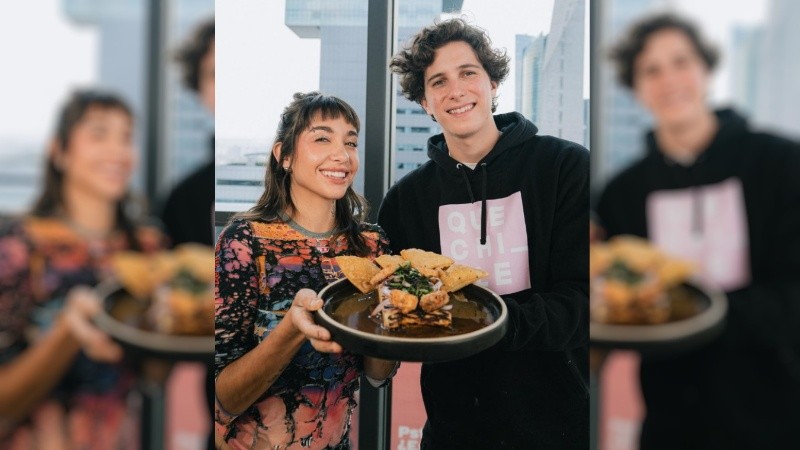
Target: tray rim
146,340
455,339
630,335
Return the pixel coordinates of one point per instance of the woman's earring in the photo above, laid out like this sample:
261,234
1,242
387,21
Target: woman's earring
287,169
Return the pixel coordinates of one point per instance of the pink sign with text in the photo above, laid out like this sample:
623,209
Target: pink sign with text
720,248
505,254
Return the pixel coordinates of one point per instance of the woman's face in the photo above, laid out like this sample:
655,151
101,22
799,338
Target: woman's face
99,157
671,79
325,160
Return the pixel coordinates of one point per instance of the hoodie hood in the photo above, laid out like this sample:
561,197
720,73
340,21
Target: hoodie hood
731,128
515,129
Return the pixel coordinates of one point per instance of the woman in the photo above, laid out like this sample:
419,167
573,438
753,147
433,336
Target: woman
281,382
53,394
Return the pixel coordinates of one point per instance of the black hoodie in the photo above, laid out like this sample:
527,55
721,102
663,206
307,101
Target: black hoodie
527,201
743,390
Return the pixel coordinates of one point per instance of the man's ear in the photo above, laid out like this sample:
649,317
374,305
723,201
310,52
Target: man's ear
424,104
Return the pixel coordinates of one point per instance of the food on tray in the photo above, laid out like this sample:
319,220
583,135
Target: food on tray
631,281
414,288
177,284
359,271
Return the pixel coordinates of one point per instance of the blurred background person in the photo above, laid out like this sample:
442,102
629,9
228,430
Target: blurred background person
188,211
712,190
126,47
61,385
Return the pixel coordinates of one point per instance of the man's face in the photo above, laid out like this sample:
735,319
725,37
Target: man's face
671,79
458,91
206,80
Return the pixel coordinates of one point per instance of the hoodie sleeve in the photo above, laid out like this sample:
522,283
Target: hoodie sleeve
558,319
769,309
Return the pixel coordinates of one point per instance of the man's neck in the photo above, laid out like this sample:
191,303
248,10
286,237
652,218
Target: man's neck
472,149
685,142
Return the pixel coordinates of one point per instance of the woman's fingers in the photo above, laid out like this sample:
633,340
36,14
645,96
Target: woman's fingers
82,304
306,301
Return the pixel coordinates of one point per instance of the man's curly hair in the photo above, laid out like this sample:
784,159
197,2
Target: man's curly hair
191,54
411,62
625,52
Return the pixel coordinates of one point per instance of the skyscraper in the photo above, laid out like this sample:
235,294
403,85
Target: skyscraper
744,67
529,56
622,122
778,91
560,110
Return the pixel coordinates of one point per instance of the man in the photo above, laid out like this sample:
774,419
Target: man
714,192
496,195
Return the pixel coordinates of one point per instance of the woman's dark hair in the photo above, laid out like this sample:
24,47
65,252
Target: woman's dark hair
350,210
51,200
191,54
411,62
625,52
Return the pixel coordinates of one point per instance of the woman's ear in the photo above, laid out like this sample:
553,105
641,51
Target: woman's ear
56,154
276,153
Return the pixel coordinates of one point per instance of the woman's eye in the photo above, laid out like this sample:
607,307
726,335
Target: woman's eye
352,144
322,139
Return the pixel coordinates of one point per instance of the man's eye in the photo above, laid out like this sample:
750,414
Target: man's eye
438,82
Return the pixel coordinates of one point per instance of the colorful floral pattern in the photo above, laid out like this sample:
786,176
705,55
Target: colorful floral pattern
41,260
260,267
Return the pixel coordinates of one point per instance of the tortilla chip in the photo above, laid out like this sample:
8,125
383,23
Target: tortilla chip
135,272
428,260
458,276
636,253
359,271
386,260
198,259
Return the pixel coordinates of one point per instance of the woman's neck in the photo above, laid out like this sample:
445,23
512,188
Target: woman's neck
89,213
314,214
685,142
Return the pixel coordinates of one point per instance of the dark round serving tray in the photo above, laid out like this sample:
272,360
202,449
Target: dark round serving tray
420,349
140,343
670,337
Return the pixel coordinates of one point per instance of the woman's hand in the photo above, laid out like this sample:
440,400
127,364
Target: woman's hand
82,304
305,302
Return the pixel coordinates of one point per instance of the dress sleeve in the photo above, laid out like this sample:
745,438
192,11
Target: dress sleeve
15,289
235,300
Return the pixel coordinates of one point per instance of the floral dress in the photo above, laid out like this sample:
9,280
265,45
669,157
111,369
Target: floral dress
259,268
41,260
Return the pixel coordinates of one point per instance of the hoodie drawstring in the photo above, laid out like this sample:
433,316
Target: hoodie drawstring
483,205
460,166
